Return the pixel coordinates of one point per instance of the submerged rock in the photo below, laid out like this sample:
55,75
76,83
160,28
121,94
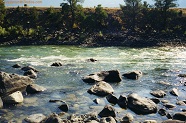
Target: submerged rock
31,74
34,88
101,89
92,60
16,66
27,68
35,118
107,111
158,93
57,64
141,105
13,98
107,76
10,83
133,75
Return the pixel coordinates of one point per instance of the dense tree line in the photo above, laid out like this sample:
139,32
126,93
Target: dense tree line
135,17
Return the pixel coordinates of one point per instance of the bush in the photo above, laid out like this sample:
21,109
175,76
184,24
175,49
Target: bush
3,32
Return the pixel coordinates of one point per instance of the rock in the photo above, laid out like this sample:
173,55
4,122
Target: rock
64,107
112,99
34,88
31,74
122,101
164,101
53,118
162,112
169,116
10,83
27,68
35,118
107,111
107,76
133,75
158,93
180,103
107,120
180,116
150,121
1,103
174,92
155,100
97,100
13,98
57,64
87,118
169,106
101,89
173,121
92,60
16,66
182,75
141,105
128,118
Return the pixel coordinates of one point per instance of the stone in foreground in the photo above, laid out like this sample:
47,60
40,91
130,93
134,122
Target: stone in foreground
35,118
107,111
180,116
34,88
13,98
158,93
141,105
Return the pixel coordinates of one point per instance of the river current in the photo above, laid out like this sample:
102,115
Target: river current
160,67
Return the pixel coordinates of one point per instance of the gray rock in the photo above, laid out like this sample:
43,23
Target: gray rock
92,60
155,100
150,121
158,93
29,68
107,120
64,107
107,111
35,118
182,75
141,105
164,101
169,105
34,88
133,75
173,121
162,112
107,76
16,66
122,101
31,74
174,92
13,98
180,103
180,116
128,118
101,89
112,99
53,118
56,64
10,83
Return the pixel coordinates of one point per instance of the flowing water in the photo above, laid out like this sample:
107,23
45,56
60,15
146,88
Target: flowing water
157,64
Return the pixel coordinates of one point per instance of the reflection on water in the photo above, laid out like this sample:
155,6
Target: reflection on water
159,65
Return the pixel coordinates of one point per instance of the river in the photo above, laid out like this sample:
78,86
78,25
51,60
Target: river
157,64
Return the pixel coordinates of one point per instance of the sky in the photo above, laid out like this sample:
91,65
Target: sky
86,3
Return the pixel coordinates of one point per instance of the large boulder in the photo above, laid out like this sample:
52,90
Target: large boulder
107,111
141,105
107,76
133,75
101,89
13,98
180,116
35,118
10,83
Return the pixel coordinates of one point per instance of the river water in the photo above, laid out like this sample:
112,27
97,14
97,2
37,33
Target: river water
157,64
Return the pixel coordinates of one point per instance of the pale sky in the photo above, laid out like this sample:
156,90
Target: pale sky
87,3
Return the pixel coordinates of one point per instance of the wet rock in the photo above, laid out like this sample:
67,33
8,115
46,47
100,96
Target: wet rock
107,76
53,118
169,116
141,105
150,121
169,106
173,121
107,111
112,99
133,75
122,101
180,103
34,88
101,89
182,75
56,64
13,98
155,100
162,112
31,74
27,68
16,66
128,118
10,83
164,101
158,93
64,107
92,60
35,118
97,100
1,103
180,116
107,120
174,92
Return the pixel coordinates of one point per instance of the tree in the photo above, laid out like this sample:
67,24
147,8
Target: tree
131,11
163,6
2,11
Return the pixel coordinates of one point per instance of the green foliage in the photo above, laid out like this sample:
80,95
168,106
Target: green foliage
3,32
2,11
100,16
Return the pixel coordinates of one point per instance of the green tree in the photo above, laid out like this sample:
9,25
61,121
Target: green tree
163,6
131,11
2,11
100,16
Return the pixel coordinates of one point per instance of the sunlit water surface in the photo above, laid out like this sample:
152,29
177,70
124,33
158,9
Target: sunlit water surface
157,64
